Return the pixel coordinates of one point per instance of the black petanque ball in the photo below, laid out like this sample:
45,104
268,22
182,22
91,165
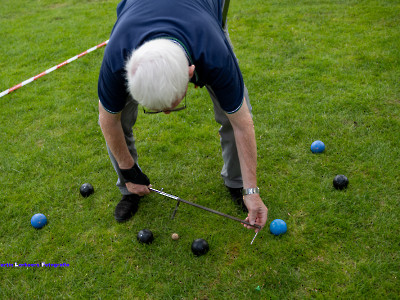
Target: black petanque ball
340,182
145,236
86,190
200,247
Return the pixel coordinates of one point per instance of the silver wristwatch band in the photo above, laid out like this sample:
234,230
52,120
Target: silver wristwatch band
251,191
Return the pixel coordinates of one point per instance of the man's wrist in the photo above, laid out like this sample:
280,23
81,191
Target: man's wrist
127,164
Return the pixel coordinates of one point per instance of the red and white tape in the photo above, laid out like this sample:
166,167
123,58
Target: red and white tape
51,69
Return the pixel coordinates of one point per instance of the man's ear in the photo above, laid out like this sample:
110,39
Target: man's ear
191,71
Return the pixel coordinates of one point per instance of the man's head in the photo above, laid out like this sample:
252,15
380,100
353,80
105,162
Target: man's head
157,74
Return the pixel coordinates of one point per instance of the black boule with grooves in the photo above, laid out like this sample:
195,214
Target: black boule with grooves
200,247
86,190
145,236
340,182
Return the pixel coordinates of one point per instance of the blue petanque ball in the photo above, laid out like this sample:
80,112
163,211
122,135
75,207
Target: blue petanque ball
278,227
38,220
317,147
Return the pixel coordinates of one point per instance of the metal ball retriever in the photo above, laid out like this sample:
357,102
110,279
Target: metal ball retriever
204,208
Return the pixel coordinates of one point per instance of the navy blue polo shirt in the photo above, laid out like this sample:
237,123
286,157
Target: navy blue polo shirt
195,25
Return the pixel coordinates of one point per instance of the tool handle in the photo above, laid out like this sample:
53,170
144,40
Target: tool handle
204,208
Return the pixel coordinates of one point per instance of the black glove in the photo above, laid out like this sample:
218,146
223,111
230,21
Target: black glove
135,175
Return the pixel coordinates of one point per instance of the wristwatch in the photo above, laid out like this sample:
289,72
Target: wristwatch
250,191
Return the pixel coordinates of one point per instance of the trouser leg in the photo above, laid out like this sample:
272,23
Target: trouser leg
128,119
230,173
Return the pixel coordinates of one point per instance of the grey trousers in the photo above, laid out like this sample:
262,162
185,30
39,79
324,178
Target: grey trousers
128,119
230,173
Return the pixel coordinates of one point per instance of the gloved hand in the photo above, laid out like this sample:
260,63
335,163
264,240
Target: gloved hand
135,175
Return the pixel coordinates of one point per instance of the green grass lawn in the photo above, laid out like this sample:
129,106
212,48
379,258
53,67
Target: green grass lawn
315,70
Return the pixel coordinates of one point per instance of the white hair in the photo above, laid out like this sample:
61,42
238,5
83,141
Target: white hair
157,74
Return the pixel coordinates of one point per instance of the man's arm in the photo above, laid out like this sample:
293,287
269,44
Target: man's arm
113,133
243,128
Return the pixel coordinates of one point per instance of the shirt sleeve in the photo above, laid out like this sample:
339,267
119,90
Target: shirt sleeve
227,84
112,89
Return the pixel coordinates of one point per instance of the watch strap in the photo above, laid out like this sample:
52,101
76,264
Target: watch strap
251,191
